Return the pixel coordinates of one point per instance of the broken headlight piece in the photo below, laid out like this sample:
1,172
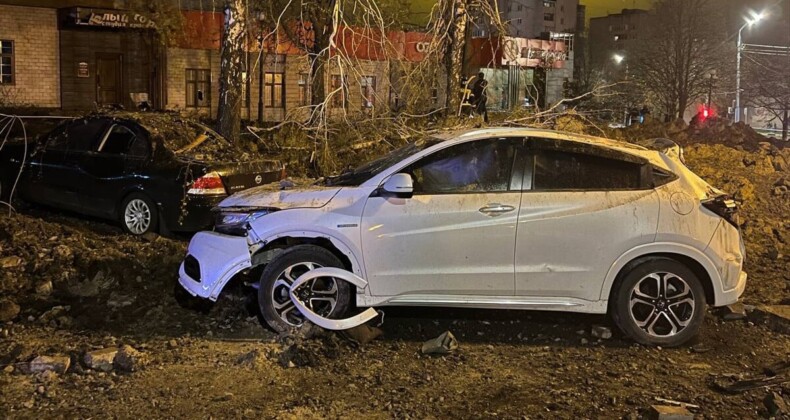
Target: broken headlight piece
236,222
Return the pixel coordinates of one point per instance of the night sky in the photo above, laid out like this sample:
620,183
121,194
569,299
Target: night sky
596,8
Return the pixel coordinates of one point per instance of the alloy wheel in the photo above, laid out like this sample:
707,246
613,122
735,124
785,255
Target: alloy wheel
662,304
137,216
319,295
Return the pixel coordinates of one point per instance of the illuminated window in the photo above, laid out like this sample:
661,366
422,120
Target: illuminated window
274,90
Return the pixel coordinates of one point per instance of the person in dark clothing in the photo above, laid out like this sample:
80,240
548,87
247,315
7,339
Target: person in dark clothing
480,96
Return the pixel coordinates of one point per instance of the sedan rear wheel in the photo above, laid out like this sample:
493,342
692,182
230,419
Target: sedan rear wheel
660,302
138,214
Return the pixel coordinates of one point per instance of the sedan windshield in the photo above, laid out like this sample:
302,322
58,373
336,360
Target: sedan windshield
363,173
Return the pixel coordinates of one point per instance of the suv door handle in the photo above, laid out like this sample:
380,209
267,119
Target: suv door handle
495,209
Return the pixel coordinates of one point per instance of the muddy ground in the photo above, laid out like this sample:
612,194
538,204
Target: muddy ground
82,285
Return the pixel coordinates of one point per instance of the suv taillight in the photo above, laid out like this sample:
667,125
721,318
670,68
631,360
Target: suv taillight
725,207
210,183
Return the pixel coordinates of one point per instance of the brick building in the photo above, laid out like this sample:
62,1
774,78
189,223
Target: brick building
29,60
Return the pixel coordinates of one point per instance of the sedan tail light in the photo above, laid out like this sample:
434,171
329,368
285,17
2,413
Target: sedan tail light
725,207
210,183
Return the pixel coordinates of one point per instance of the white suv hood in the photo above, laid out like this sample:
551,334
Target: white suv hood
263,196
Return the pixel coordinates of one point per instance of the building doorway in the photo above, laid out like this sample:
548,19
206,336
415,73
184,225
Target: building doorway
108,78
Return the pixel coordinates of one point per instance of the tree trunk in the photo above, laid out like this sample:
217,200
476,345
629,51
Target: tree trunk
454,53
785,124
231,65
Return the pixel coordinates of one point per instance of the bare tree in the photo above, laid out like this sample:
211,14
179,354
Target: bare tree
767,83
232,53
683,43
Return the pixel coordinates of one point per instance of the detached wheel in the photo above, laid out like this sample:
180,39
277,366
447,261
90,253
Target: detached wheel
660,302
327,297
138,214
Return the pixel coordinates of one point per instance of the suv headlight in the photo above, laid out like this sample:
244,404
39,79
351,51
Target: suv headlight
236,222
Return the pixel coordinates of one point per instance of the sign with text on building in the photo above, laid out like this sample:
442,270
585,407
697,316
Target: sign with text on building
82,69
534,52
109,18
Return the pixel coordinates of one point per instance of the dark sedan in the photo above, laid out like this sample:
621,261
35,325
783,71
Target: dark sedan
148,178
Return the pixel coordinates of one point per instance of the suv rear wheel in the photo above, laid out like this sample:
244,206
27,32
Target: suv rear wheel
327,297
660,302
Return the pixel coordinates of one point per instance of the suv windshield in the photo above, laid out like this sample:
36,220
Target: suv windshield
363,173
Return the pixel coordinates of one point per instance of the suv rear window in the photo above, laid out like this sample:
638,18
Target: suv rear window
559,170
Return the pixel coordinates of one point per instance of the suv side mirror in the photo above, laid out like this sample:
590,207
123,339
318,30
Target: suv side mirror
399,185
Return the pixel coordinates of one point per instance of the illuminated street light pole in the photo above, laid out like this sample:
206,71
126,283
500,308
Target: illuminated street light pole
749,22
618,59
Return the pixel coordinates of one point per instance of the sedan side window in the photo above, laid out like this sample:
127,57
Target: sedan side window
559,170
476,166
120,140
80,136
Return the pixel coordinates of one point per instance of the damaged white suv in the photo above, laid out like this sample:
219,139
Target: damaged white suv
496,218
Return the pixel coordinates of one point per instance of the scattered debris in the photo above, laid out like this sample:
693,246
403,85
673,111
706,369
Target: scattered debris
445,343
8,310
734,384
362,334
253,359
777,368
57,364
128,359
776,317
43,288
669,412
733,312
101,360
677,403
775,404
599,331
10,262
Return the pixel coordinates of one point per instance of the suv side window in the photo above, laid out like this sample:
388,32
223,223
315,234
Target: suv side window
79,136
561,170
475,166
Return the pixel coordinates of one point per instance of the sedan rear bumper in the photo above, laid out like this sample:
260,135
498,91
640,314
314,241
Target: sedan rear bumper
212,260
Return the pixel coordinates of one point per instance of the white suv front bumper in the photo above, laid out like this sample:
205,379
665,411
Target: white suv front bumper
212,260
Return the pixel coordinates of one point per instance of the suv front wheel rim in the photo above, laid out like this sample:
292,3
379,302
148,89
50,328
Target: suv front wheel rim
662,304
137,216
319,295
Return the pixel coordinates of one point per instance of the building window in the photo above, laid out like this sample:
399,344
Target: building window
367,87
198,88
548,16
518,21
274,90
245,90
518,7
435,96
6,62
304,89
339,88
549,3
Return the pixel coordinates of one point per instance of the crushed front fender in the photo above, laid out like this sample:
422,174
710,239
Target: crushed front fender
331,324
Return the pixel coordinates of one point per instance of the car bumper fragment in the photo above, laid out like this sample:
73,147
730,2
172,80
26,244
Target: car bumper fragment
331,324
219,257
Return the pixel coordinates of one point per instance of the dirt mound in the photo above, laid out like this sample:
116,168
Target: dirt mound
761,187
65,259
713,131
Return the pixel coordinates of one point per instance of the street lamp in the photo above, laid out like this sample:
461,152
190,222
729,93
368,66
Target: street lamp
618,59
756,17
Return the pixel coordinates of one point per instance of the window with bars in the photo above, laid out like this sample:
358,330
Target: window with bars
339,84
304,89
367,86
274,90
6,62
198,88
